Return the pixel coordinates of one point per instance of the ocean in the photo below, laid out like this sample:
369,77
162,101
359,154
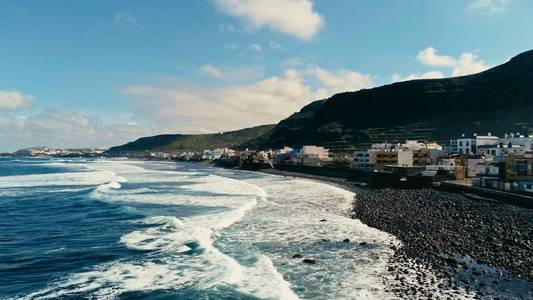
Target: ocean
125,229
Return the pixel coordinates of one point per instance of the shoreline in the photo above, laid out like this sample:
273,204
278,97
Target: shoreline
419,266
424,264
339,182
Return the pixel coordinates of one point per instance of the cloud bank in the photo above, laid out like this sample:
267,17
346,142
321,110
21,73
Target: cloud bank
170,107
63,128
12,100
182,109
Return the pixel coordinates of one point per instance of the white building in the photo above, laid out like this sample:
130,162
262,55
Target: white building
487,169
468,145
217,153
463,145
264,156
471,166
486,140
405,158
417,153
208,154
314,155
412,145
320,152
517,139
510,144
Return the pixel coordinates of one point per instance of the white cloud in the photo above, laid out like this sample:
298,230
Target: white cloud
489,7
428,75
343,80
64,128
212,71
467,63
125,21
430,57
12,100
181,109
292,17
174,106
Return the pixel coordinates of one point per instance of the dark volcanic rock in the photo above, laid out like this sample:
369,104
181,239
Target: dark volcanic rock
439,225
297,256
309,261
436,228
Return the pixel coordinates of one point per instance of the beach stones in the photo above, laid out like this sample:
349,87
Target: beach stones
439,229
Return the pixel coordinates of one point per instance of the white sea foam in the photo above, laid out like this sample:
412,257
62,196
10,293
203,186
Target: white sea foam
290,220
171,237
247,246
59,179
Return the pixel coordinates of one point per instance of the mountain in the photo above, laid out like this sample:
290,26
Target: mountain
192,142
498,100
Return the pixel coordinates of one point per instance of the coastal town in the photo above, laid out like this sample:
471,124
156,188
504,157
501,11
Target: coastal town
502,163
266,149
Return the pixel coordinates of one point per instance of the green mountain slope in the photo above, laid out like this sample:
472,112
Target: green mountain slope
192,142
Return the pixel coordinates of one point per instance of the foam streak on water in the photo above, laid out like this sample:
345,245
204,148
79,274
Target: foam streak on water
234,233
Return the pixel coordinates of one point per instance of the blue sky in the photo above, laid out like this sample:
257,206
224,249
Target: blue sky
81,73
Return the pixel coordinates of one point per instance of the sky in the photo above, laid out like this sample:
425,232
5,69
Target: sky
101,73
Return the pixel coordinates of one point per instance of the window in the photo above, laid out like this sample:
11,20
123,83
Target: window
520,167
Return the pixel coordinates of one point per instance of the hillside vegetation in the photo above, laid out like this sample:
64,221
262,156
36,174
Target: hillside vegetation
192,142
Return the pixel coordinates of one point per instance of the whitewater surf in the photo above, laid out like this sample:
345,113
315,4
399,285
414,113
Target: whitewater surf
184,231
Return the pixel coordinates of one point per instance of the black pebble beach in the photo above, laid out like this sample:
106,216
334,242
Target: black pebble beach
482,247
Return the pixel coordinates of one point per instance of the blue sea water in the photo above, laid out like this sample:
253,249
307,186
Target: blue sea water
123,229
